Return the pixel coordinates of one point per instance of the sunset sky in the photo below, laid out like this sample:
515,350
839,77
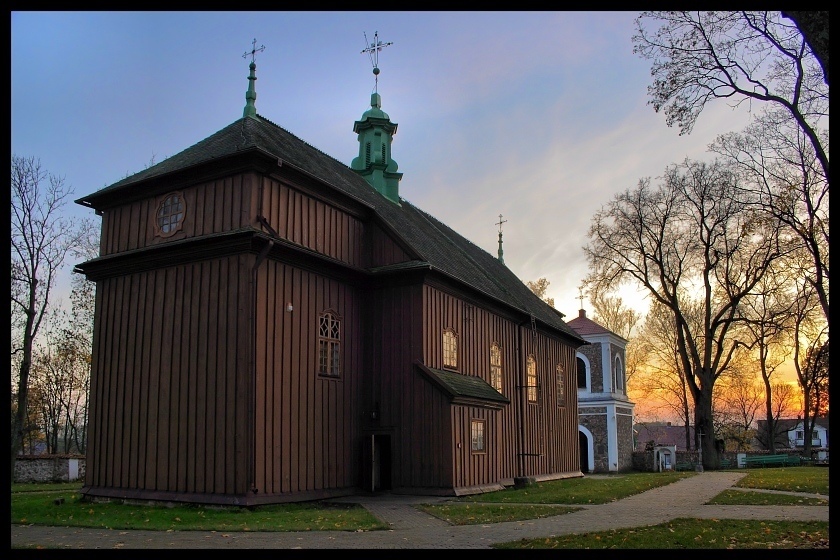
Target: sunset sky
538,116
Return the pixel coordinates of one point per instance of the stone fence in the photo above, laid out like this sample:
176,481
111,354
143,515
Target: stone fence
49,468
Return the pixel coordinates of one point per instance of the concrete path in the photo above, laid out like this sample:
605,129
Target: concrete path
411,528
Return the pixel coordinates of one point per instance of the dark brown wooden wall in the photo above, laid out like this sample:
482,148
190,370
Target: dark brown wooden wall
225,204
311,222
414,415
236,202
169,384
550,431
305,423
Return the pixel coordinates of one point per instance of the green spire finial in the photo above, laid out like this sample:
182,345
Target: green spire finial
501,251
251,94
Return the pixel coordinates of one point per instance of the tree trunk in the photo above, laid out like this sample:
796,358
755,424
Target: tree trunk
704,431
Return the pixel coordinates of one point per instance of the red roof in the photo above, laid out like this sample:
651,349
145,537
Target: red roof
585,326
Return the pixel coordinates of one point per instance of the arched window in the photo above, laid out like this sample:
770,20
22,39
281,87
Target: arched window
329,344
618,374
561,385
531,378
496,366
450,349
581,373
169,216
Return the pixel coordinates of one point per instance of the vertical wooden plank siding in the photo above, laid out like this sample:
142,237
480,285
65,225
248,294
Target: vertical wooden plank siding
550,431
157,422
312,223
224,204
312,415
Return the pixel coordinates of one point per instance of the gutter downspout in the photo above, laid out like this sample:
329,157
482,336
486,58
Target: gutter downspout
252,321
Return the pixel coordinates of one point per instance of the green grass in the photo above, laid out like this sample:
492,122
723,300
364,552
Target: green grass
813,480
738,497
689,534
37,504
586,490
65,508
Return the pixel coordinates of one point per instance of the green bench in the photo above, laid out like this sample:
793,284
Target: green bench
780,460
726,463
684,466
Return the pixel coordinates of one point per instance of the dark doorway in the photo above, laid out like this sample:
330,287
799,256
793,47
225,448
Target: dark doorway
381,462
584,452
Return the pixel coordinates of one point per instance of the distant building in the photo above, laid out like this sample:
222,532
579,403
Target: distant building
790,433
661,434
605,413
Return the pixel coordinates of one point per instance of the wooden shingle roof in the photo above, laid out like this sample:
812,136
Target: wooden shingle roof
440,246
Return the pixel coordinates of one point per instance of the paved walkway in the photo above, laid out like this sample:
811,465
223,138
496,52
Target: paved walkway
411,528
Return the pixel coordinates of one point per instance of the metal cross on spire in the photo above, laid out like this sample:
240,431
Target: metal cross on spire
373,53
580,297
500,222
254,51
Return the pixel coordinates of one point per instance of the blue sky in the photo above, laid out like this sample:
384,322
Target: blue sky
539,116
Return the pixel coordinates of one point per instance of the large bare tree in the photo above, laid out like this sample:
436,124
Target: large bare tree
611,313
810,358
692,240
778,165
41,240
739,56
765,329
814,27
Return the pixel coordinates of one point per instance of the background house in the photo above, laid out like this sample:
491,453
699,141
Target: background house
662,434
790,433
605,413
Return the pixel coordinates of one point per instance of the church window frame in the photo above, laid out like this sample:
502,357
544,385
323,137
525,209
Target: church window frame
618,375
496,370
531,378
478,435
329,344
584,372
450,349
169,214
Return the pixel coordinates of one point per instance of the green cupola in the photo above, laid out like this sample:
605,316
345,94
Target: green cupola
374,162
376,133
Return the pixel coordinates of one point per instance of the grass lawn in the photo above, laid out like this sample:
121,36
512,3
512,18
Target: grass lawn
61,504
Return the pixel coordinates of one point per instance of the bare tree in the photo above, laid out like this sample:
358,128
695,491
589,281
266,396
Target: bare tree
810,359
738,402
766,317
739,56
785,403
41,240
693,239
778,165
539,287
814,27
662,379
611,313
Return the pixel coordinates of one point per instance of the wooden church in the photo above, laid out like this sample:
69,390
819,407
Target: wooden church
274,326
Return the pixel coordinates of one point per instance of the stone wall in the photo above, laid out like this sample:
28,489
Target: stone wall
593,354
49,468
624,428
596,423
